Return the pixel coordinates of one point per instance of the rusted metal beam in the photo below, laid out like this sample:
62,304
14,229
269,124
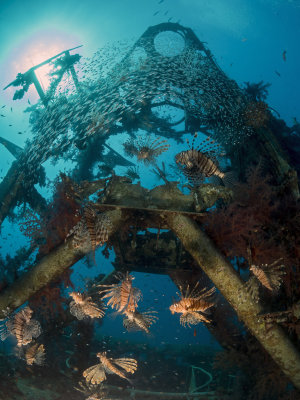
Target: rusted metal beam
222,274
48,269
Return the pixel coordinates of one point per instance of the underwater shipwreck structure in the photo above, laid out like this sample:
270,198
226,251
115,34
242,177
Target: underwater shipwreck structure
213,230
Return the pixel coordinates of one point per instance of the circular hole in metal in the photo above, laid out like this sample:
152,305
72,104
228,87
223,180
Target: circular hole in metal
169,43
170,111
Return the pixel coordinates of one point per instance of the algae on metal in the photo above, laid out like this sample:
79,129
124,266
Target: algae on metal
196,242
47,269
222,274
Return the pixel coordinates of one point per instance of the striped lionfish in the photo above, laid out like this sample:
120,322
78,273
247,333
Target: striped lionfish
92,230
96,373
83,307
136,321
22,327
201,162
145,148
35,354
192,305
269,276
123,297
283,316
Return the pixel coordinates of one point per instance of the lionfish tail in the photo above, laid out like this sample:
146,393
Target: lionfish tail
230,179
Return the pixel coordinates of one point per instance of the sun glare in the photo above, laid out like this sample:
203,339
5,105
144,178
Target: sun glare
38,53
37,49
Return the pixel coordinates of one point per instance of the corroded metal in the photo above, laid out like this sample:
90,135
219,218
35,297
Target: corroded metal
195,241
47,269
220,271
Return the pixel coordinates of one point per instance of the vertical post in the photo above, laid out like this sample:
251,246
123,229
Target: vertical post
38,87
73,73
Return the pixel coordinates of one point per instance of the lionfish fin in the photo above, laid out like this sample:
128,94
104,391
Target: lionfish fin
128,364
95,374
4,332
230,179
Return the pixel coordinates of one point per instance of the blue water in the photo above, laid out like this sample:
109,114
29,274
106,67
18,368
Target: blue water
251,40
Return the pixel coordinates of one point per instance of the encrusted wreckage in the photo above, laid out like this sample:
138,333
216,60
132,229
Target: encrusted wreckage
225,113
207,256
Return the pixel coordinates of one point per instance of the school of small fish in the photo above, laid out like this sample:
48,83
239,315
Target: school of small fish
119,84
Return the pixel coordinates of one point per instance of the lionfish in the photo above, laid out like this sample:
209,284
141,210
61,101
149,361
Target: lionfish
132,173
92,230
145,148
35,354
94,392
201,162
269,276
252,287
283,316
192,305
90,215
96,374
83,307
122,295
22,327
136,321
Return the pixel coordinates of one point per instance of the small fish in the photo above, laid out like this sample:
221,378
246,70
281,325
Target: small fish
244,39
166,13
277,73
161,1
284,55
195,332
156,12
2,115
169,20
3,106
20,133
28,101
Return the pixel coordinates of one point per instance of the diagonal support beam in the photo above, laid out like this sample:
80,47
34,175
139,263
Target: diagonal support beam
226,279
48,269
